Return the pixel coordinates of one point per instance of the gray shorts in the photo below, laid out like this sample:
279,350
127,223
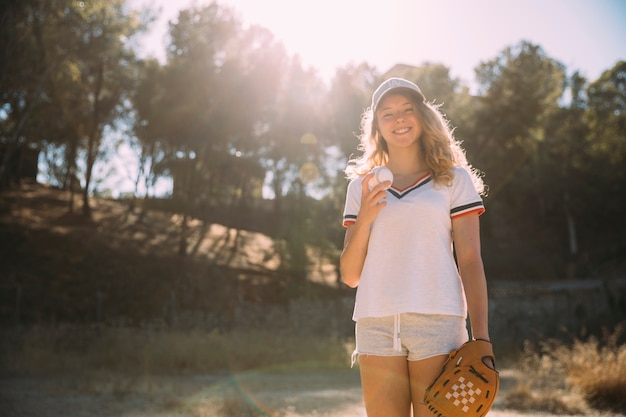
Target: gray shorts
416,336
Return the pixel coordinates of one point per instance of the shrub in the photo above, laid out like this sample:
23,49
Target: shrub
524,397
598,370
568,378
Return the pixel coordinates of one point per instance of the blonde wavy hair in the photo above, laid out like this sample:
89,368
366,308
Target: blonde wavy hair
440,150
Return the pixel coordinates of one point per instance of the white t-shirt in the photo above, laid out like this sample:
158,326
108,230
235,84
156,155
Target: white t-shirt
410,266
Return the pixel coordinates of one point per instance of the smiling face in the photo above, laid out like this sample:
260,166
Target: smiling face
398,121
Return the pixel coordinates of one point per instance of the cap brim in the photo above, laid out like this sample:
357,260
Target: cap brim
399,89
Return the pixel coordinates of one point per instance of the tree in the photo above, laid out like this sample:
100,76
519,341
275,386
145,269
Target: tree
216,91
607,114
147,138
562,166
518,90
76,81
25,69
606,178
106,67
348,97
292,142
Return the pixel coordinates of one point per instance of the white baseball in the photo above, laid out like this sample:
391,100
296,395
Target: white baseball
381,174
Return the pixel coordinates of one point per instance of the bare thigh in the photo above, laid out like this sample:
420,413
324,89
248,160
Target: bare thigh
421,374
385,383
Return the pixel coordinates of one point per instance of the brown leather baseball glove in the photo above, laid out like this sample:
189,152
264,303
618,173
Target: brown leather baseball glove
468,383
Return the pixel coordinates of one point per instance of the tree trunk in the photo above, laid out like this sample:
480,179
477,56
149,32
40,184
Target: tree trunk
94,139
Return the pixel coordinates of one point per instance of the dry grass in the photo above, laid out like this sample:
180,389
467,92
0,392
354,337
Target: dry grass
571,379
599,370
255,373
186,373
554,401
236,404
132,351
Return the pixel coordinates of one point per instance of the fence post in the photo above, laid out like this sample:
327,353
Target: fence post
98,306
18,303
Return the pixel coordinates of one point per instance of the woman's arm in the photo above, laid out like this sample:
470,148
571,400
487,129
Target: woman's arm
358,234
466,235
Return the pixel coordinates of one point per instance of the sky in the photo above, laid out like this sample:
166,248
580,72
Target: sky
588,36
584,35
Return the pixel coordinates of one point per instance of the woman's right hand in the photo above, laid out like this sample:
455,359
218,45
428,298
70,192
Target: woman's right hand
372,201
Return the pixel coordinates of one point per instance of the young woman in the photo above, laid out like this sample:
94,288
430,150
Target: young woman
400,247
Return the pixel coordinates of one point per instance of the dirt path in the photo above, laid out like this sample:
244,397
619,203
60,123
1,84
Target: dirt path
319,394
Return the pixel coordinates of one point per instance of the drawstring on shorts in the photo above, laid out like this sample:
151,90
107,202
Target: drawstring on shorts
354,358
397,343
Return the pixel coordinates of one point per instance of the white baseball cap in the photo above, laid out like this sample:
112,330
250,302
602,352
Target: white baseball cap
394,84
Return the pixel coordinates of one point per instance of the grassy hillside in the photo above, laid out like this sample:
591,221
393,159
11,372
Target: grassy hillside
121,268
123,262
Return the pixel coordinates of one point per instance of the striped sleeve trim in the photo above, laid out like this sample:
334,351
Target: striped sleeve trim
468,208
349,219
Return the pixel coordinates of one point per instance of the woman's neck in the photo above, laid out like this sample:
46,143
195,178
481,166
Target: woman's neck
406,163
407,168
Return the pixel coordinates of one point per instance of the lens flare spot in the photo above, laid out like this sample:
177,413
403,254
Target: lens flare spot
308,139
309,172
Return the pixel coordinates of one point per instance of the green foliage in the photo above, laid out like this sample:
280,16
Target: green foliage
607,114
519,90
231,119
78,84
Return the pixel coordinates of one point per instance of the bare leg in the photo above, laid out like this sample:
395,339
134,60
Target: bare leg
385,383
422,374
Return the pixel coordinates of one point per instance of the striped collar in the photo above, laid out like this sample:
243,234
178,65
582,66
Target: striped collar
400,193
